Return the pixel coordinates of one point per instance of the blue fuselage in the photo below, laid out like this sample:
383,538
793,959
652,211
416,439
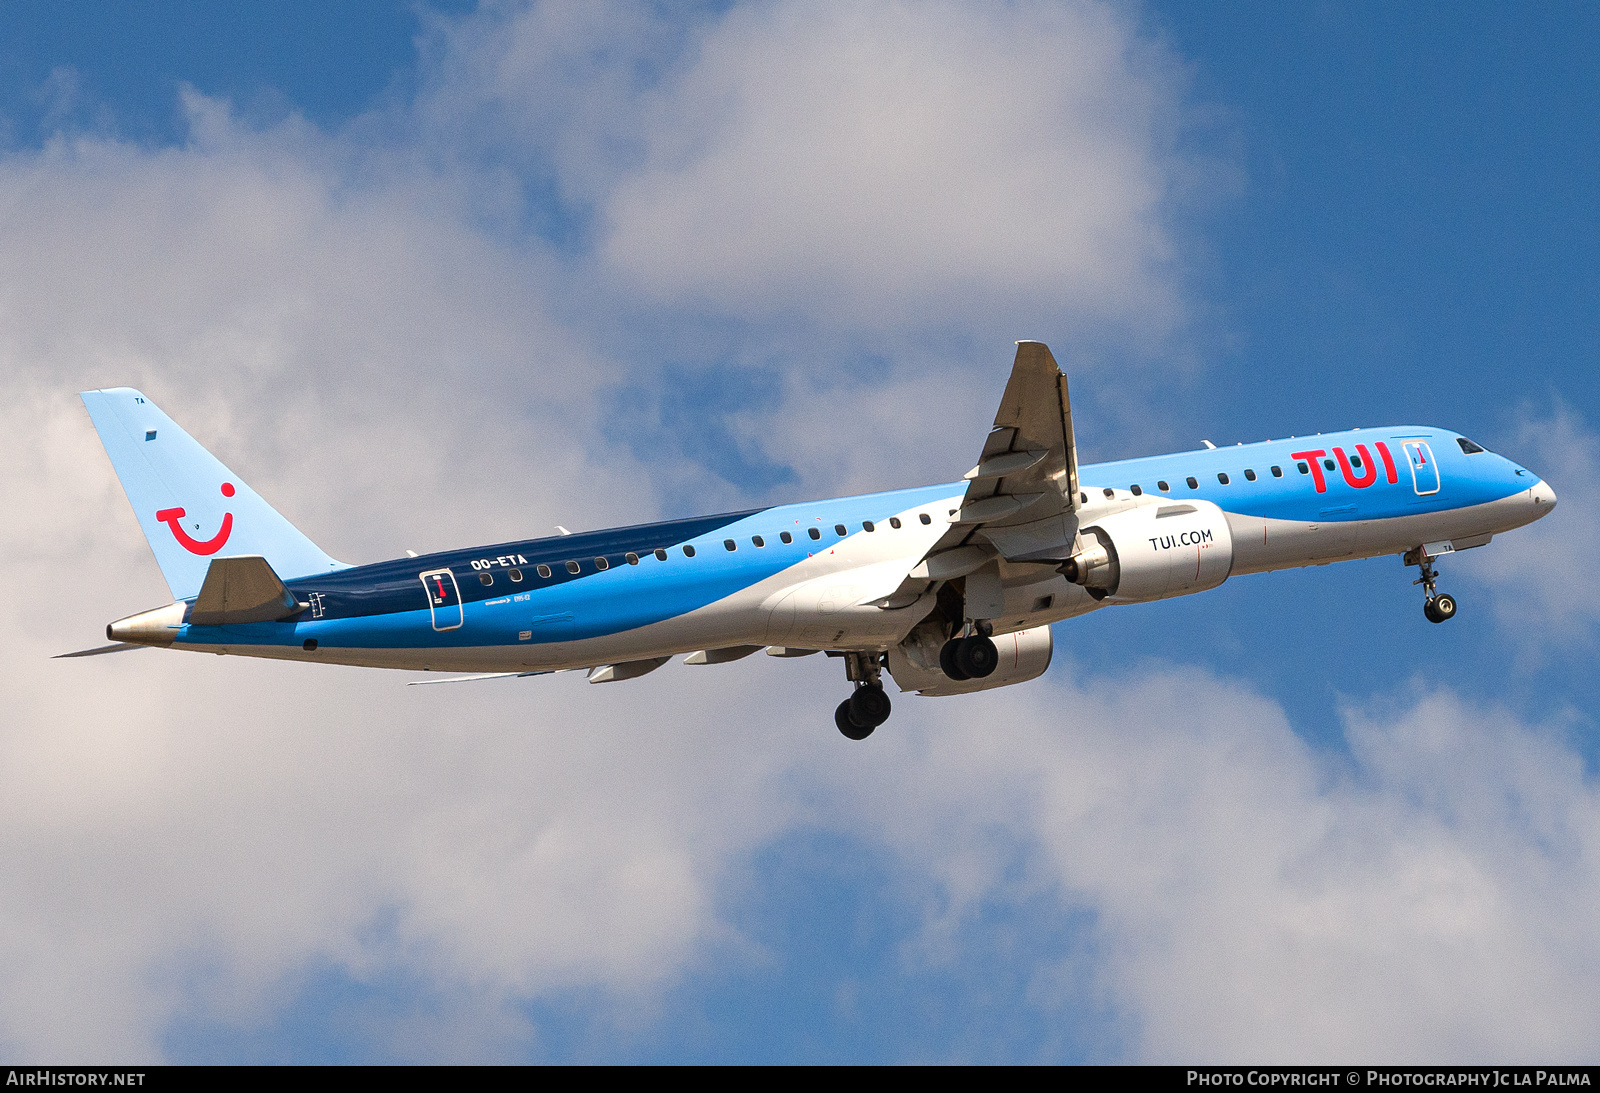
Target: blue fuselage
676,586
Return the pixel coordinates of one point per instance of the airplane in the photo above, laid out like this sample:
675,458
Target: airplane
948,588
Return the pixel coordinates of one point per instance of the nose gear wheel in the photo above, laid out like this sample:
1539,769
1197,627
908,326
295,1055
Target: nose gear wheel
1440,608
1436,606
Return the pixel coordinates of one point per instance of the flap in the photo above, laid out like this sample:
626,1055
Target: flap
949,564
242,589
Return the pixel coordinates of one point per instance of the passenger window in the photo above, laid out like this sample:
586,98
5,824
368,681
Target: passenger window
572,567
1163,487
542,569
839,528
633,559
601,563
516,576
814,533
785,536
866,525
1193,485
1328,463
661,555
758,540
1083,499
1110,493
1136,491
1355,461
730,544
1277,472
894,521
925,518
688,551
1249,475
1302,467
1222,478
486,578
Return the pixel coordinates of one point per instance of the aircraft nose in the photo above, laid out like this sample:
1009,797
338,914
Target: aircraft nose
1543,496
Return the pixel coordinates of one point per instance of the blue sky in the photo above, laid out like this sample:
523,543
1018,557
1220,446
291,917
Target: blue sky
598,264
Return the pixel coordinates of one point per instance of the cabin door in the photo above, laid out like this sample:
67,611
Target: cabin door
1424,471
444,598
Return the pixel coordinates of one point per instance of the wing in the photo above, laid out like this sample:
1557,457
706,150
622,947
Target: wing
1022,497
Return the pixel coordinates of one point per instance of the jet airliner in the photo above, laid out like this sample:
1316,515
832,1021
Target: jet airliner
948,588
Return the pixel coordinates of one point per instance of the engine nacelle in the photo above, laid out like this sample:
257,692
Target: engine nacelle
914,663
1153,551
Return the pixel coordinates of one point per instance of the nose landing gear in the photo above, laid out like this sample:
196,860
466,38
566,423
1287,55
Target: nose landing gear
1436,606
868,707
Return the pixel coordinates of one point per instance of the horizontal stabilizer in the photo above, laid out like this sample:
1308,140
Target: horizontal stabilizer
117,648
242,589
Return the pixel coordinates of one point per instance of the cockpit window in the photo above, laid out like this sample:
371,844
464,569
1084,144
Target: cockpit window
1469,447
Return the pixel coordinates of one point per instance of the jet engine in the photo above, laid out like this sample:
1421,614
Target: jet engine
1152,552
914,663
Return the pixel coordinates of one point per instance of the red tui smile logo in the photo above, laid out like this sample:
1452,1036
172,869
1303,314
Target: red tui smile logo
170,517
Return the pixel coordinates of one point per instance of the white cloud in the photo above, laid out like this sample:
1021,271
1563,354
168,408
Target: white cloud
178,835
871,200
296,320
1431,898
893,164
188,834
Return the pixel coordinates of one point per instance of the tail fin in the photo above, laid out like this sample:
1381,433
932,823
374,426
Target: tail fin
189,505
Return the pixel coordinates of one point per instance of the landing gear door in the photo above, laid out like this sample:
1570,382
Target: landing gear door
444,598
1424,471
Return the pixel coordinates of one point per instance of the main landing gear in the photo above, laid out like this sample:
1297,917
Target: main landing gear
971,657
868,707
1436,606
